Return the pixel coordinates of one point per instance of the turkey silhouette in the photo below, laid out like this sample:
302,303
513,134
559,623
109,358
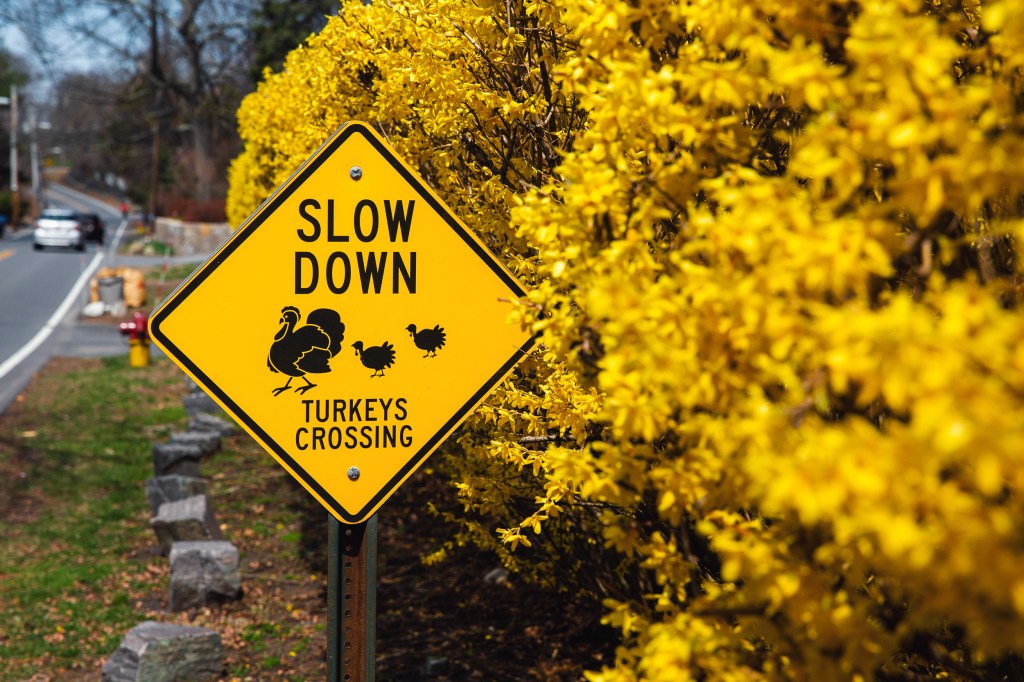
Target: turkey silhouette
308,349
429,340
377,358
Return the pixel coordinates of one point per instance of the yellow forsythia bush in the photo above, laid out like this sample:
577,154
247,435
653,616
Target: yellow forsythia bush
776,420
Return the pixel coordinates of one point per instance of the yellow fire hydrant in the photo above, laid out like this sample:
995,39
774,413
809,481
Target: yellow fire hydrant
137,332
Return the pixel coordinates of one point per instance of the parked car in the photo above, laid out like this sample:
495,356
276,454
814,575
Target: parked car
58,227
93,227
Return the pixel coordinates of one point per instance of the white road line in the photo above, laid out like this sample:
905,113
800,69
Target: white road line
54,320
118,235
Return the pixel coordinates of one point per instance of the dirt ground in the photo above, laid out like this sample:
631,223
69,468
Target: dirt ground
458,620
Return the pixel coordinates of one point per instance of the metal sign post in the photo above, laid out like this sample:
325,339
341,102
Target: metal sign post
351,600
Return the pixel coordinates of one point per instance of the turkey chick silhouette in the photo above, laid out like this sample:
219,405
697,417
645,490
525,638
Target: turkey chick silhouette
376,358
307,349
429,340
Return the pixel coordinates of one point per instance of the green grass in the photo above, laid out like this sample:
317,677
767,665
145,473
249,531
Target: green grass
78,567
180,271
85,438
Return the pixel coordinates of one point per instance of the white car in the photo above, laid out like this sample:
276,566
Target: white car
58,227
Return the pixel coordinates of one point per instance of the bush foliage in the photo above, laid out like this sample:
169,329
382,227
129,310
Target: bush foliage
773,248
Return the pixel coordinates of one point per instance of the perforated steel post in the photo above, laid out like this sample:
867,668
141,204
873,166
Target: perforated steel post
351,601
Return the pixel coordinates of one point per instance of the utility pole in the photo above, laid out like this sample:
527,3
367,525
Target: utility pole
37,187
37,168
156,72
14,158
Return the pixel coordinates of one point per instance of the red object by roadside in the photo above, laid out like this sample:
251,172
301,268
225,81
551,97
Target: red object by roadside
137,328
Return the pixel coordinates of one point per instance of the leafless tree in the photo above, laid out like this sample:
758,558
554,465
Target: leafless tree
182,64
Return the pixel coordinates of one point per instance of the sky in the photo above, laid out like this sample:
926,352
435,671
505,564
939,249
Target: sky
65,52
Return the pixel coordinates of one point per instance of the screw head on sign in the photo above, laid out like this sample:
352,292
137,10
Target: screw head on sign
355,172
353,473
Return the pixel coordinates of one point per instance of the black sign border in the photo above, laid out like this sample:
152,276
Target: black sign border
261,214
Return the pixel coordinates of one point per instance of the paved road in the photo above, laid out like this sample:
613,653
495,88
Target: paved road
42,295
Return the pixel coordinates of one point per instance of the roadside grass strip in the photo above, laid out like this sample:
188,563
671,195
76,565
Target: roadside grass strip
79,563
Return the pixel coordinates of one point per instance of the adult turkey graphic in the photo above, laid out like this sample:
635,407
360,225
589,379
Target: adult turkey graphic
298,351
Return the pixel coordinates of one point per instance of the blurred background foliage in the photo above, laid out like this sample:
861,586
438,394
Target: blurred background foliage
138,99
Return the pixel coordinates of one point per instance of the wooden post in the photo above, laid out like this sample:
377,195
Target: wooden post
351,600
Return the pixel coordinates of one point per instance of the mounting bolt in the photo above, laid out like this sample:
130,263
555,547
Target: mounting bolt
353,473
355,172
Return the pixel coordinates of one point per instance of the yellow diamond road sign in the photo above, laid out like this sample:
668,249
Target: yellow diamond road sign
350,325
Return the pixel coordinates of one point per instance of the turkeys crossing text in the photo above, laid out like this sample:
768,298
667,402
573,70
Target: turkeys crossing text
354,423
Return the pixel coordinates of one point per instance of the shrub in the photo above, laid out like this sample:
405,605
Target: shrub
774,256
6,204
188,210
